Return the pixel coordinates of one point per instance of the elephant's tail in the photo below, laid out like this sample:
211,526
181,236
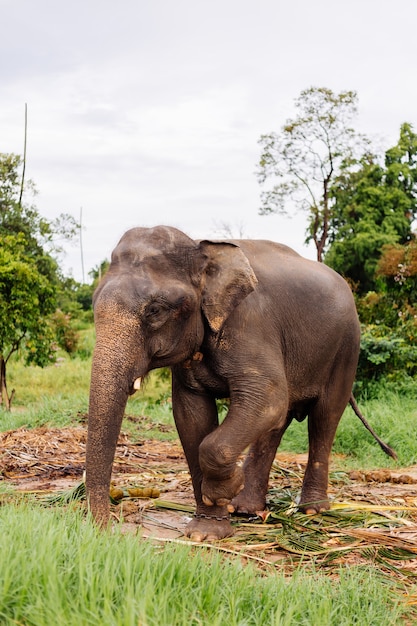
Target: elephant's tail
383,445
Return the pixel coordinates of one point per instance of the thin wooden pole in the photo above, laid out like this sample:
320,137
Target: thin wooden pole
81,244
22,184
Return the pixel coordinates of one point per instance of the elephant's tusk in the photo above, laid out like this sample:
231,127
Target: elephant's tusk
137,383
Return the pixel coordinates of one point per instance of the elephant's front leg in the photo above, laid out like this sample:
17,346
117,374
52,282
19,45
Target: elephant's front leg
256,419
195,417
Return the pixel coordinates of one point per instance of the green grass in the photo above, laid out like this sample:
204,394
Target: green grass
392,416
67,379
57,568
57,395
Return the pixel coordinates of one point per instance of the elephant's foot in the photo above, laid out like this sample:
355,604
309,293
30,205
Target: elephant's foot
313,504
314,497
206,527
221,492
248,502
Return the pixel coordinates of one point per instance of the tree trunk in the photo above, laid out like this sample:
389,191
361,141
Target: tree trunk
6,400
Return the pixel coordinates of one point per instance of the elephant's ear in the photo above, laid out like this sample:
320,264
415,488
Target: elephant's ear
226,280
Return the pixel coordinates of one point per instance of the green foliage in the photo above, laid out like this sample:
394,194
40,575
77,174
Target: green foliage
401,164
84,297
386,354
389,330
41,235
373,246
374,206
99,271
26,299
305,157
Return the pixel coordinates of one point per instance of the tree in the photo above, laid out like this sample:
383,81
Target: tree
389,319
226,230
98,272
26,299
29,274
374,206
305,157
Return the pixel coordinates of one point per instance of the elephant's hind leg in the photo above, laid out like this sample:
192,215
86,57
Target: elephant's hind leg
323,420
257,467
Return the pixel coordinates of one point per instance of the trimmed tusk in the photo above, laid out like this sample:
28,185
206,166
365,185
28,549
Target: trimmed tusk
137,383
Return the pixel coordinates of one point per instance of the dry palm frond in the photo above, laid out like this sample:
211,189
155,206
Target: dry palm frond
411,599
213,546
349,532
173,506
365,506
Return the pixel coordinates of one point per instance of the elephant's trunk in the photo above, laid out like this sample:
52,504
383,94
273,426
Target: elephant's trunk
111,380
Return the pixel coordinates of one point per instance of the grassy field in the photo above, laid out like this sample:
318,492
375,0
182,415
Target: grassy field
56,568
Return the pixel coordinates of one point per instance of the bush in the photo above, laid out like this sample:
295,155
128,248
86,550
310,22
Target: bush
389,334
385,354
66,335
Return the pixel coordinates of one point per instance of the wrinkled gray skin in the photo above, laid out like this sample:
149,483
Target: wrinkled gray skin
247,320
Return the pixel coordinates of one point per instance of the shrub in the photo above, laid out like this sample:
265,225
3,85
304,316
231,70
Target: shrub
66,335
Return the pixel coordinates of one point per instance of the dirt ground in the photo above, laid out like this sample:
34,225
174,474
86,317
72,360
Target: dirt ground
45,461
374,517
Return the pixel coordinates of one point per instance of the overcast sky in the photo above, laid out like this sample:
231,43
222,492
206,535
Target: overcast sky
145,112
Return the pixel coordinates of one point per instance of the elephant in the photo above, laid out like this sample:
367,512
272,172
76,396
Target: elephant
248,320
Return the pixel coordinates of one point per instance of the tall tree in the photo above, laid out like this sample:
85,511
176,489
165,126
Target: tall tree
29,274
303,159
374,206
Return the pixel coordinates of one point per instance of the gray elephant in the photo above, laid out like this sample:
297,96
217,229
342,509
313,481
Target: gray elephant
251,321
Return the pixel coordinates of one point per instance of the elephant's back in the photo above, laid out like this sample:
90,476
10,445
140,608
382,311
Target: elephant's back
277,263
297,287
255,248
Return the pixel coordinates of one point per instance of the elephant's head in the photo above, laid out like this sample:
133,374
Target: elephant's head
160,294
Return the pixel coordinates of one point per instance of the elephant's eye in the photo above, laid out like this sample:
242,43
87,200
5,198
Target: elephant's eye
157,314
154,309
212,270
